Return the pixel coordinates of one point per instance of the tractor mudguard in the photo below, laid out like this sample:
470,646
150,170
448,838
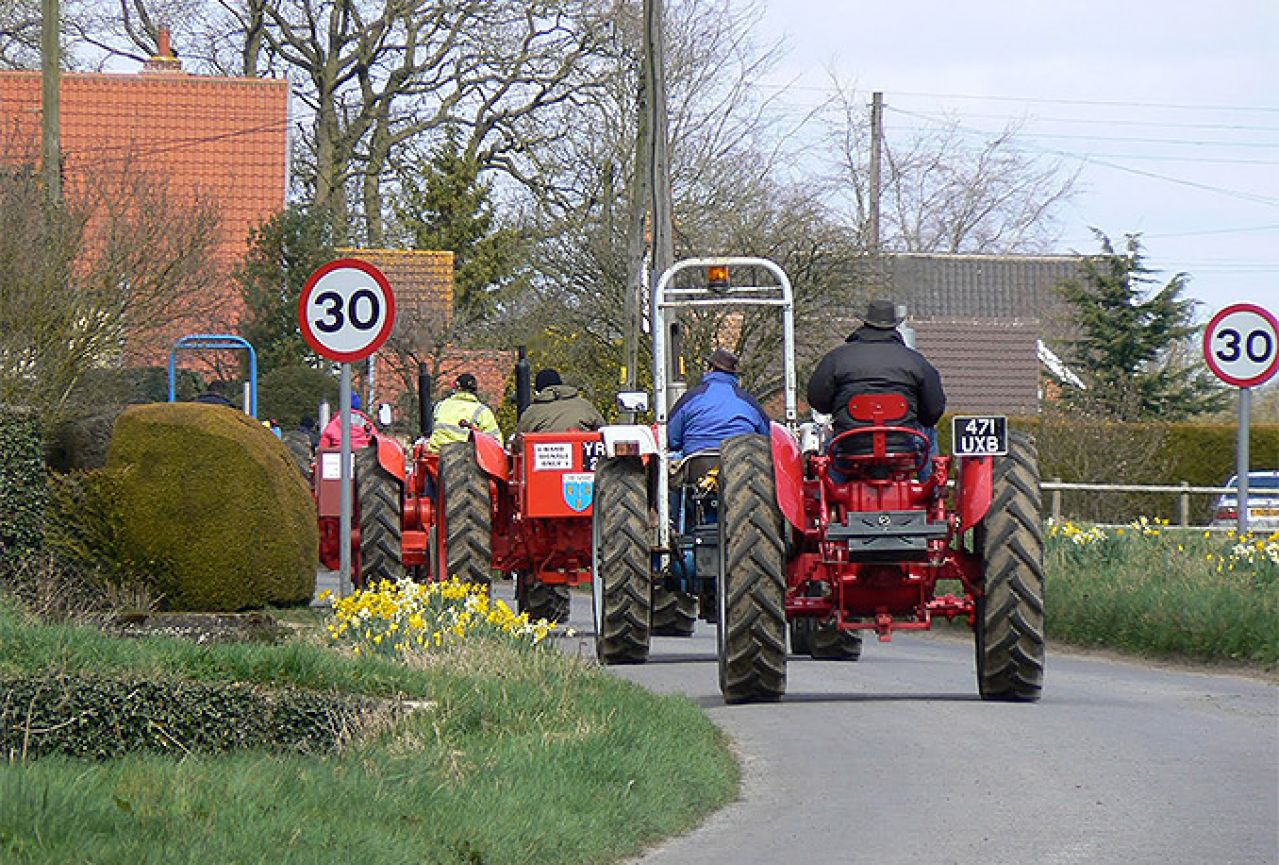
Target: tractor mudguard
788,475
634,440
390,456
976,487
491,457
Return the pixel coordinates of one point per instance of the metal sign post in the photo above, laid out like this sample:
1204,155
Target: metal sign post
1241,346
346,312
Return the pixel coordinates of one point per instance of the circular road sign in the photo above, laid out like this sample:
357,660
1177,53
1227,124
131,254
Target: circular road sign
1241,345
346,310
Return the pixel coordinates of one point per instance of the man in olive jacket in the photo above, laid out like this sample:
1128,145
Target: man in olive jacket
557,407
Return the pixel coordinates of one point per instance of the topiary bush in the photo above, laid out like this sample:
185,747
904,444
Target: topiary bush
213,498
24,491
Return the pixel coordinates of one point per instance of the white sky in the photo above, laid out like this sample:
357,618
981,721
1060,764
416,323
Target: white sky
1183,89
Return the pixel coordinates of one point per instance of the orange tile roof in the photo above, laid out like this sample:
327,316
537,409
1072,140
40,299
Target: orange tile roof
225,139
422,281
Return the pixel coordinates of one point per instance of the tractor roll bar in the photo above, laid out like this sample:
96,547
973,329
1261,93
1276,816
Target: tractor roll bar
668,296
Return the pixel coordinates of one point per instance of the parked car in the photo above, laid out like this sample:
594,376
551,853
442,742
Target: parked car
1263,503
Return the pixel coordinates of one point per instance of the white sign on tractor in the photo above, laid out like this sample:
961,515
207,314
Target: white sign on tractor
1241,347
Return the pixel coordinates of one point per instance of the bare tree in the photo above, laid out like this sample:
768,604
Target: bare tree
942,195
19,34
80,285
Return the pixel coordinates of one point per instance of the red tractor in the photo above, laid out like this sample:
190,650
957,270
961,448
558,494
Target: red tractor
470,510
830,542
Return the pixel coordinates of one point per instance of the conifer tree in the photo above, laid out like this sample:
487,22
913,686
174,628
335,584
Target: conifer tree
1135,347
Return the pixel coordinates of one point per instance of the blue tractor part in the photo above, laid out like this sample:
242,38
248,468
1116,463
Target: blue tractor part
215,341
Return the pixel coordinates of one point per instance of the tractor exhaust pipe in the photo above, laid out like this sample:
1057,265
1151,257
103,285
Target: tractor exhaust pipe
523,383
425,408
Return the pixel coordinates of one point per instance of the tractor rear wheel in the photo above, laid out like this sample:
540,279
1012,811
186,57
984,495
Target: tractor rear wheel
751,631
378,495
621,586
674,612
829,643
465,535
1010,614
541,600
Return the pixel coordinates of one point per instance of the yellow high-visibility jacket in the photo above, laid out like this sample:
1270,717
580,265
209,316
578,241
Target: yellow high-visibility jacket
450,414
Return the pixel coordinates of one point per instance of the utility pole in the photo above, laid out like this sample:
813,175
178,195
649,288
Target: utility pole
876,150
654,48
50,104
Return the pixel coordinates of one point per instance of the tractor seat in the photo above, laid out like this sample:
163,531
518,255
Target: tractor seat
694,466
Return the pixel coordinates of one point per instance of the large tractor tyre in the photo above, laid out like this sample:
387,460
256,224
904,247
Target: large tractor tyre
829,643
621,587
751,631
674,612
378,499
466,527
542,600
1010,615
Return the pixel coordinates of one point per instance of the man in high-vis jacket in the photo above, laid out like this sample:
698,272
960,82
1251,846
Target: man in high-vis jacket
459,413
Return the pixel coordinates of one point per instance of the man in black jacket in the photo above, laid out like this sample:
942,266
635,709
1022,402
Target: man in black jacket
875,359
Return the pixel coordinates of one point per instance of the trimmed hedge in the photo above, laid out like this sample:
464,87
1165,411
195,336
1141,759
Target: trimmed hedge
214,500
24,491
100,718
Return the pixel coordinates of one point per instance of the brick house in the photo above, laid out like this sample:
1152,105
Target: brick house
982,320
222,141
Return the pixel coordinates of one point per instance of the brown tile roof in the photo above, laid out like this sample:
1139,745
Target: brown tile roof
986,365
225,139
422,281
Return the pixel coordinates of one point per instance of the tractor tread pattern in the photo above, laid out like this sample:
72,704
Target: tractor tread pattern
752,656
378,504
829,643
468,528
546,601
674,612
622,563
1010,643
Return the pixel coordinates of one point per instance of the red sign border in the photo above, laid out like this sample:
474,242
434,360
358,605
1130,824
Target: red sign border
1262,377
382,335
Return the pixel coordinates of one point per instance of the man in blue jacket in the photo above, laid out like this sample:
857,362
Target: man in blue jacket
718,408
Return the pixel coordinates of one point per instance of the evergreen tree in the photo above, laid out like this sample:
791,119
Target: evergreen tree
1135,348
283,253
448,208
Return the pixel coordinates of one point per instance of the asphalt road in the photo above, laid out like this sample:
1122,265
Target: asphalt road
894,759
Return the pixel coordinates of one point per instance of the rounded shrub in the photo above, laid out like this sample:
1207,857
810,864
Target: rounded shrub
213,498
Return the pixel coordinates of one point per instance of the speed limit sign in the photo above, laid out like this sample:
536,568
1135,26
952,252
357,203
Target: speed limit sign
346,310
1241,345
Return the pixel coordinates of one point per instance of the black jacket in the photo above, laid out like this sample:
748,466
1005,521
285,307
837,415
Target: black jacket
875,360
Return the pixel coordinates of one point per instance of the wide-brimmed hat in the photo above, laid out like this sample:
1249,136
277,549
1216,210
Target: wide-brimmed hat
882,314
723,359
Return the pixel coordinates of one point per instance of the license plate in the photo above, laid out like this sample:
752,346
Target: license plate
979,435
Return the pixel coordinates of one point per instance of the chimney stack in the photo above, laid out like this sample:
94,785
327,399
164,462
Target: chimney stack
165,59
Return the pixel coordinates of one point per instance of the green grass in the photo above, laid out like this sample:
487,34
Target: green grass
1174,594
521,756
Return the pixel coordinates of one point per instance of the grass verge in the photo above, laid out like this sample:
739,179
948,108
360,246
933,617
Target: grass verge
1163,593
518,756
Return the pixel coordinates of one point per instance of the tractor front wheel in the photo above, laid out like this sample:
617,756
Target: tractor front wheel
378,502
828,643
751,631
541,600
1010,614
674,612
464,539
621,585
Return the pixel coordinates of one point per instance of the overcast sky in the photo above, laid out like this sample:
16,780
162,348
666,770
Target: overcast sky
1171,107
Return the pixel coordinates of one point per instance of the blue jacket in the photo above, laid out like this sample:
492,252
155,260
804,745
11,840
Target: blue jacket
716,409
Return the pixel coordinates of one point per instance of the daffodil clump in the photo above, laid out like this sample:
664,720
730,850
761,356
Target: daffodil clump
393,618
